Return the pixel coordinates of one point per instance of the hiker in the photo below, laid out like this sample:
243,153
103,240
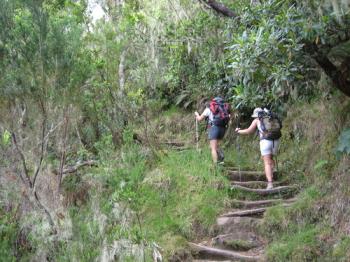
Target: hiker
269,139
218,117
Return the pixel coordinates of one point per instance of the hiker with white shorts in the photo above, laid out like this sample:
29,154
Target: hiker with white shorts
269,134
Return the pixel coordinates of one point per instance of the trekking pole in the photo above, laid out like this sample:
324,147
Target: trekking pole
238,150
239,157
197,135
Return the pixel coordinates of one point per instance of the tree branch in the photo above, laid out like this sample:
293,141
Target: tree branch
339,77
72,169
220,8
42,149
63,154
46,211
24,164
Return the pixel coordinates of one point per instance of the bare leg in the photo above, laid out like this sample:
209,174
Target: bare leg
268,166
213,148
272,165
220,152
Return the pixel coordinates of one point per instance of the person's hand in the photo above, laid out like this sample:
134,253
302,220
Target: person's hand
196,113
237,130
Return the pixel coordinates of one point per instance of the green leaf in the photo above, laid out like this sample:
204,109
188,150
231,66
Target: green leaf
6,138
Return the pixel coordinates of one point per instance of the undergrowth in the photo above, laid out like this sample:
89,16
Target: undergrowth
8,232
304,231
167,198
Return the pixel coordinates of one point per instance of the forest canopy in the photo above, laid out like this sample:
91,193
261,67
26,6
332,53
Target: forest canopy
91,104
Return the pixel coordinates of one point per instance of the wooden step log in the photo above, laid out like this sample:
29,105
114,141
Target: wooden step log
182,148
230,165
209,260
264,192
205,251
243,213
249,212
246,172
246,175
262,203
174,143
254,184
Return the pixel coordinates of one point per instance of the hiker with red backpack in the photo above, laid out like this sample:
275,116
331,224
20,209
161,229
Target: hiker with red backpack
269,130
218,117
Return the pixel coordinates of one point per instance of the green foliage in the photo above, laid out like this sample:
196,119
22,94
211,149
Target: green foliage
302,245
169,202
8,232
278,219
179,197
194,64
149,55
6,138
340,250
266,51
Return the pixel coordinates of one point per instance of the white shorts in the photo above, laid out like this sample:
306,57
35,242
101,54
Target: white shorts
269,147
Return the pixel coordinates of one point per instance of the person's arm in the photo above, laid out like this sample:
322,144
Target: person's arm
202,116
250,130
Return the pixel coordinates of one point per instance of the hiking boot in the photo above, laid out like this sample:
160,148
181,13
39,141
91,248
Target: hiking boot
269,185
221,156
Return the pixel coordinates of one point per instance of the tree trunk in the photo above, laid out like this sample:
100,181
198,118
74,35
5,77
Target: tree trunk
121,74
338,78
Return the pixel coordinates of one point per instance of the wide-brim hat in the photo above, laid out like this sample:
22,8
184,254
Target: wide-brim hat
256,112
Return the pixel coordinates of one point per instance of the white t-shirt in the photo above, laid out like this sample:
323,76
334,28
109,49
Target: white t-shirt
207,112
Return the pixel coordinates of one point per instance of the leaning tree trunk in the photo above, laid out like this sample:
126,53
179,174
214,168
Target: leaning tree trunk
338,78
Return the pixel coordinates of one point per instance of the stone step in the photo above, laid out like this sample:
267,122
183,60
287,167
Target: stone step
202,251
261,203
264,192
237,242
235,225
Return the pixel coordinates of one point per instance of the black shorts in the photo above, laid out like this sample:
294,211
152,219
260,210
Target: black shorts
216,132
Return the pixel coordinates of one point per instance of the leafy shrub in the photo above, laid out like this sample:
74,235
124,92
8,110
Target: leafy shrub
8,233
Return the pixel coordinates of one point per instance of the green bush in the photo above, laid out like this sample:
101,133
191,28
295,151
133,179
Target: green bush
8,233
298,244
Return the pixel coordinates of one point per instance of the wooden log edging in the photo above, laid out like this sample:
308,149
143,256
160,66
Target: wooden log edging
74,168
249,212
247,175
265,192
246,172
210,251
259,203
254,183
242,213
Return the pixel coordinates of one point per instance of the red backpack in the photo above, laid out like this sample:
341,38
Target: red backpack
221,112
